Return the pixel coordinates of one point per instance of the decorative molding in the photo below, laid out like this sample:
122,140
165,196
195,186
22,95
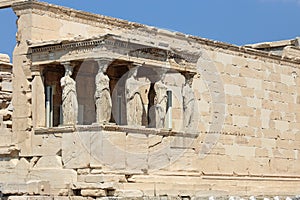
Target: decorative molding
72,15
103,21
9,3
71,45
116,44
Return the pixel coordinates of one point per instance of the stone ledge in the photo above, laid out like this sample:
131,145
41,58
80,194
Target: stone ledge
60,129
3,57
162,197
8,3
251,177
9,151
104,186
115,128
5,65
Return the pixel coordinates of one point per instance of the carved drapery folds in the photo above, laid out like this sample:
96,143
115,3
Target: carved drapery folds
134,102
153,109
188,102
145,96
69,96
102,94
130,106
160,100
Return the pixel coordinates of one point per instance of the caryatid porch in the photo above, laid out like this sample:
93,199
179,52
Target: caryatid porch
116,81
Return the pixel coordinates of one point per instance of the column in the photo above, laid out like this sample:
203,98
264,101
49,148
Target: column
69,97
38,97
161,99
188,102
102,95
134,100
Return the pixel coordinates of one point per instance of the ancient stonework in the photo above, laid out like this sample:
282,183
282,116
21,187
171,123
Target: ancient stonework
6,107
188,103
135,106
160,102
102,94
94,107
69,97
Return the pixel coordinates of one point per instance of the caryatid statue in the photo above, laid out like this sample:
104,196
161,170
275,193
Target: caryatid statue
69,96
134,103
188,102
160,102
102,95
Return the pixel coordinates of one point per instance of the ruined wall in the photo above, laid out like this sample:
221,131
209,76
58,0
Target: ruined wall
7,147
247,140
6,90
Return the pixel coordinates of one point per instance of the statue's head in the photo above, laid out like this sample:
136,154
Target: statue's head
102,67
162,74
103,64
190,82
68,69
133,72
189,79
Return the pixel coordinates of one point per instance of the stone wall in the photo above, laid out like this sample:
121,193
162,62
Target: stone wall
259,135
6,90
246,141
6,108
6,96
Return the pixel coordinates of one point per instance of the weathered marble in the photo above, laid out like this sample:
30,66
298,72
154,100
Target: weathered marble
244,142
160,102
188,103
102,95
134,105
69,97
4,58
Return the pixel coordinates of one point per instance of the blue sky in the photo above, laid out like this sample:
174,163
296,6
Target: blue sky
233,21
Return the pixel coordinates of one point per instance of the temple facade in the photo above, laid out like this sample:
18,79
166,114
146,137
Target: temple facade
98,107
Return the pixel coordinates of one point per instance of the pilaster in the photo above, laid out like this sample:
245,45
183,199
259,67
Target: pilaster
38,97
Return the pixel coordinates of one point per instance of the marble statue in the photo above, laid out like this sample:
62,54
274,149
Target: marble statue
135,107
69,97
188,103
160,102
102,96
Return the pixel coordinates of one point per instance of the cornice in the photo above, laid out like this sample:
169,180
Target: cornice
73,15
241,49
114,46
66,46
104,21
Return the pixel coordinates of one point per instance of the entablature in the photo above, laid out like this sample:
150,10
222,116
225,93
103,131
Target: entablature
114,47
133,29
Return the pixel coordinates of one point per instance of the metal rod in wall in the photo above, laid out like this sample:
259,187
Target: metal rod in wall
49,106
119,101
169,110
